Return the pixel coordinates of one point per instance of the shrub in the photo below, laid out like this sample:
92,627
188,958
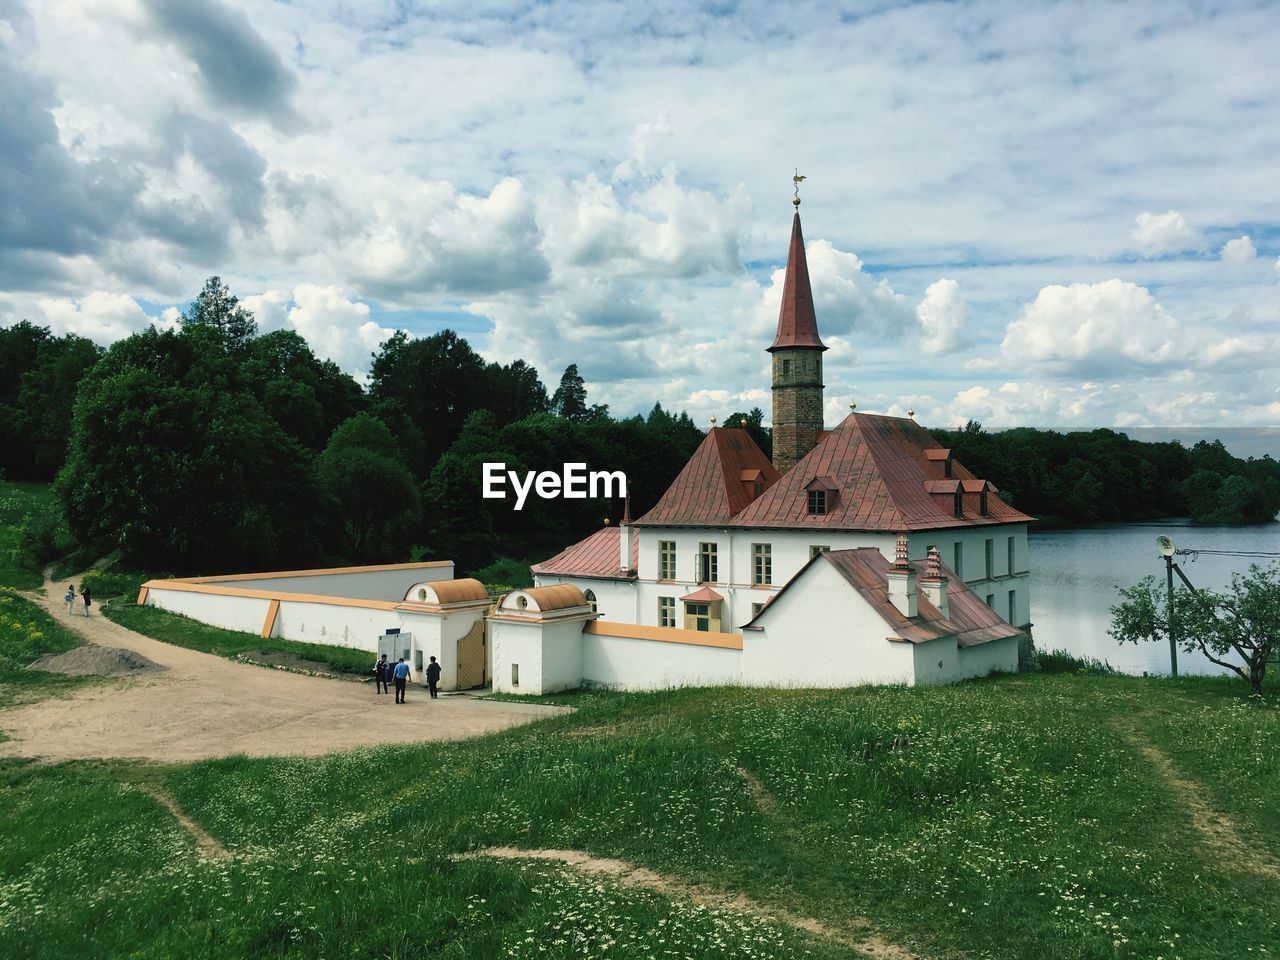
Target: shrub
505,573
1060,661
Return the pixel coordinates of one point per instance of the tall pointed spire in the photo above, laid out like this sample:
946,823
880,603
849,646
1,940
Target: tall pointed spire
797,323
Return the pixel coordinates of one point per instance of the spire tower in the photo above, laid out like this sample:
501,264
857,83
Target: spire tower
797,358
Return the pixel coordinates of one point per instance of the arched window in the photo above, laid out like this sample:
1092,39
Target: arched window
591,599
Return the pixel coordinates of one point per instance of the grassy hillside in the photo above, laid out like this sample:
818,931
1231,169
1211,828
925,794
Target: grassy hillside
1046,816
26,634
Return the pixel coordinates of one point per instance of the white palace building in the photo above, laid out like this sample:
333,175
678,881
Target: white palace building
860,554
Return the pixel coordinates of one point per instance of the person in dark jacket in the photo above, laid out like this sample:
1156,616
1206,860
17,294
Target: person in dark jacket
382,675
433,676
87,596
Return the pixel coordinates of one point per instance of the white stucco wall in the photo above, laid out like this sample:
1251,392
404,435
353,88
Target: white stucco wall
356,584
626,663
333,624
231,613
821,633
548,655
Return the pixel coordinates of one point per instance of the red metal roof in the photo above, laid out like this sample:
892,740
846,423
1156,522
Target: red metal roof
797,323
596,556
705,595
968,619
880,467
716,483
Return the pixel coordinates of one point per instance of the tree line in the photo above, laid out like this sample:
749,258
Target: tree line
211,447
1102,475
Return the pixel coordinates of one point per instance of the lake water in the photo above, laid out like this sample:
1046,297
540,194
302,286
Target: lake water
1075,576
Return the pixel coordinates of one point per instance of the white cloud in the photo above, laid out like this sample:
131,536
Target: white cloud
102,317
1157,233
338,329
1098,326
942,314
1239,250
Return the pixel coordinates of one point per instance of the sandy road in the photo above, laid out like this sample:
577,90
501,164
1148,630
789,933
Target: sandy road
204,706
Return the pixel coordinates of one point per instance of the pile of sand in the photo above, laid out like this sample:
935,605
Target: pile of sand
95,661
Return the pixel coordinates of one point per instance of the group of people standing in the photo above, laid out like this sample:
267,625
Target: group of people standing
385,673
86,594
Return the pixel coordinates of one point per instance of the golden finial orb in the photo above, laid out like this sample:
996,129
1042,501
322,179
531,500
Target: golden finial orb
853,406
797,180
911,413
713,421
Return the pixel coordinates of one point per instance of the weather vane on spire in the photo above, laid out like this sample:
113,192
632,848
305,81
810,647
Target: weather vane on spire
797,180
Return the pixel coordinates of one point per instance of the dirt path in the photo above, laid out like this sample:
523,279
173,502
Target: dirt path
203,706
862,940
205,842
1218,831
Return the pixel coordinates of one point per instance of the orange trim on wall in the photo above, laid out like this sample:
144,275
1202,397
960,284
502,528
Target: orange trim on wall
382,568
142,595
633,631
182,586
269,624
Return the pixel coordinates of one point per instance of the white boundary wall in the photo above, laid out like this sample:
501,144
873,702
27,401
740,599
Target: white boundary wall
386,583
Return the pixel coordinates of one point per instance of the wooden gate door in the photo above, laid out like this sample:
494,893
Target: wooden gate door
472,658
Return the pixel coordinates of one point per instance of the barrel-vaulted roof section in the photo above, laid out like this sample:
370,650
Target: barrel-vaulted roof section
881,469
717,482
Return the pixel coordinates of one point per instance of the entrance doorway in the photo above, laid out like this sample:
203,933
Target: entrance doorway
472,657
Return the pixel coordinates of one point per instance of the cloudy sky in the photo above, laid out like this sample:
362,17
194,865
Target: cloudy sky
1066,215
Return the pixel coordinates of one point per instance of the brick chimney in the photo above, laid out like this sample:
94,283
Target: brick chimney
902,580
934,584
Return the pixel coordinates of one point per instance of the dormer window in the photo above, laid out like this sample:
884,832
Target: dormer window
822,493
959,497
982,503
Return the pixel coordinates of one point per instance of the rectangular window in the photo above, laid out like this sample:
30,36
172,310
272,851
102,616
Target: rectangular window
697,616
755,610
1013,607
991,558
761,564
666,611
991,600
786,368
666,559
708,564
817,502
816,549
958,565
1012,553
515,674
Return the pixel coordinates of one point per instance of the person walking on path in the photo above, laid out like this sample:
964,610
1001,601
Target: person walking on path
87,596
382,675
71,598
433,676
401,672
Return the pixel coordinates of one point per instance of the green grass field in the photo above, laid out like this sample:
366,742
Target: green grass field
185,632
1017,817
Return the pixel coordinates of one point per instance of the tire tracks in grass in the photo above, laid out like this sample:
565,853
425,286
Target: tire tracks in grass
1218,830
858,934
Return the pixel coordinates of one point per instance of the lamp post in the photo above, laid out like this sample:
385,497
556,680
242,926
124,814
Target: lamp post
1167,550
